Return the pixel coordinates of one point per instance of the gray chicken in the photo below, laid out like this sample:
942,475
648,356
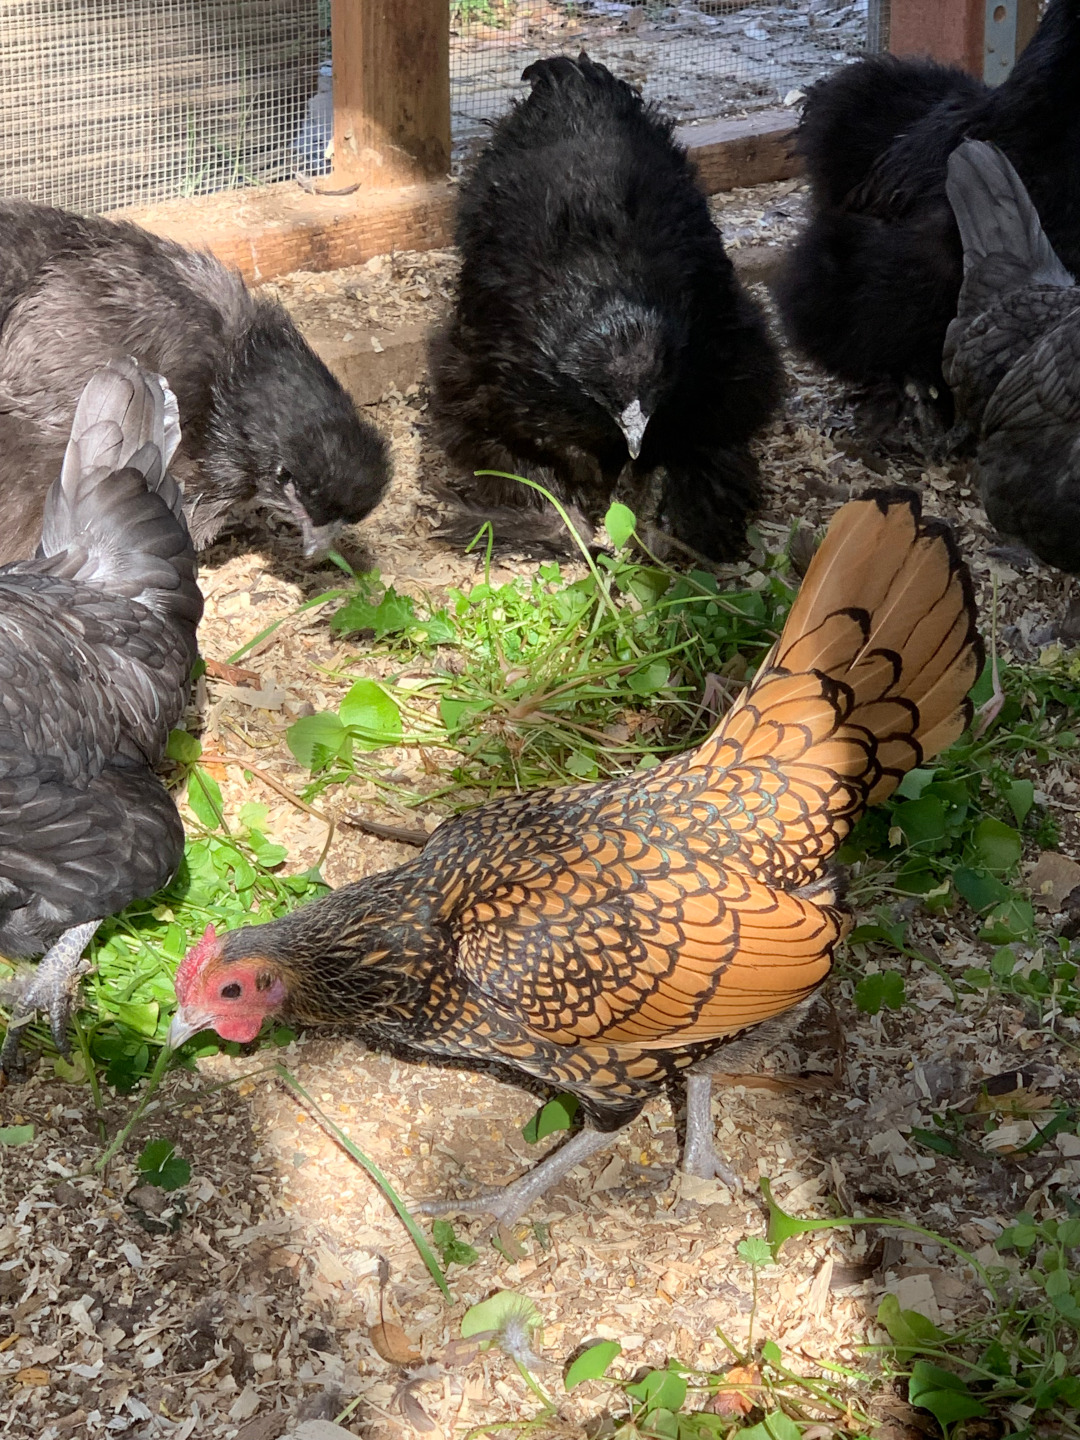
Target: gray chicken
97,641
262,416
1012,358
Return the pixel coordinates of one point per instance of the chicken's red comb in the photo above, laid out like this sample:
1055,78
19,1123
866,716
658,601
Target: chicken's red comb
194,961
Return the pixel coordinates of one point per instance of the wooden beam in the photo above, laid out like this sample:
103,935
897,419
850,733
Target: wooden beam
391,91
274,229
750,151
950,31
1027,22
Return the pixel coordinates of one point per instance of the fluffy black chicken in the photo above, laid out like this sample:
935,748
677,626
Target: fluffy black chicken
598,320
1012,356
871,285
261,414
97,641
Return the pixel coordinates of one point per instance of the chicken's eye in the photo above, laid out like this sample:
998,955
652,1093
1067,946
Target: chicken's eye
284,475
264,980
232,991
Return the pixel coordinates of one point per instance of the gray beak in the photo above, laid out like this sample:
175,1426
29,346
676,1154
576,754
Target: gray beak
318,539
632,423
184,1026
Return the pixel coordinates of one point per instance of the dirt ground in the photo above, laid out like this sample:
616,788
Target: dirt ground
246,1300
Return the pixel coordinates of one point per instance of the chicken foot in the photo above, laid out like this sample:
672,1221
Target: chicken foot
509,1202
52,989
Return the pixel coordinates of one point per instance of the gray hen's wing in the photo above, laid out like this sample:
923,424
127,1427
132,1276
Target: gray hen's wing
1015,287
69,854
97,632
1028,462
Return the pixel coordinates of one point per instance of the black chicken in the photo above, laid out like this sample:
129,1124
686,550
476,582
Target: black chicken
1012,356
598,320
871,285
97,641
261,414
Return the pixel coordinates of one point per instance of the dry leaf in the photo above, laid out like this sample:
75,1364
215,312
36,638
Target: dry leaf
1053,878
737,1401
459,1352
32,1375
392,1344
234,674
1016,1102
508,1240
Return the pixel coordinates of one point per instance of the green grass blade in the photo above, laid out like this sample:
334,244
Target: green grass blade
379,1178
322,599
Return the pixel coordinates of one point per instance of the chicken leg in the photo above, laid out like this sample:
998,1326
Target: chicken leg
700,1155
509,1202
52,988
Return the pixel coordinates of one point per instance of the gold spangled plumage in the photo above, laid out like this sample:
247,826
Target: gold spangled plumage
720,859
603,938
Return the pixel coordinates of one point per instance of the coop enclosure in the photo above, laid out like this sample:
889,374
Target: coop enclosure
115,103
111,104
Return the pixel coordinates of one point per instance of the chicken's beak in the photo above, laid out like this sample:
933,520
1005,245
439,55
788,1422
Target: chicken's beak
632,423
185,1024
318,539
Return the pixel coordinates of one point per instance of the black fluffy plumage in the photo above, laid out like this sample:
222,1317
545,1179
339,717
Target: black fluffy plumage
262,416
871,285
97,641
598,320
1012,356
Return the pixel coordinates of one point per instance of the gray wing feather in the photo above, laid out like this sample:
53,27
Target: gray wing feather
97,639
1005,246
1015,288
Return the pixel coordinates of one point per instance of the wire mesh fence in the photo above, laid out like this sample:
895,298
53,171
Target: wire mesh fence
697,58
110,103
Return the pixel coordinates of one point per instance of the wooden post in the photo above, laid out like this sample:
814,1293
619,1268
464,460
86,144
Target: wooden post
1026,22
950,31
391,91
981,38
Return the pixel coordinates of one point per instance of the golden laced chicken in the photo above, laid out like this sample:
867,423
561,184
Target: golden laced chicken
608,939
97,641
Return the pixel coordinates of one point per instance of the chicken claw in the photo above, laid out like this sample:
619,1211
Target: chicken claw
509,1202
52,988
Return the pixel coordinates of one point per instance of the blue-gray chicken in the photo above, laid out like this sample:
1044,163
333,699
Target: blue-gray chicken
1012,357
97,641
263,418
